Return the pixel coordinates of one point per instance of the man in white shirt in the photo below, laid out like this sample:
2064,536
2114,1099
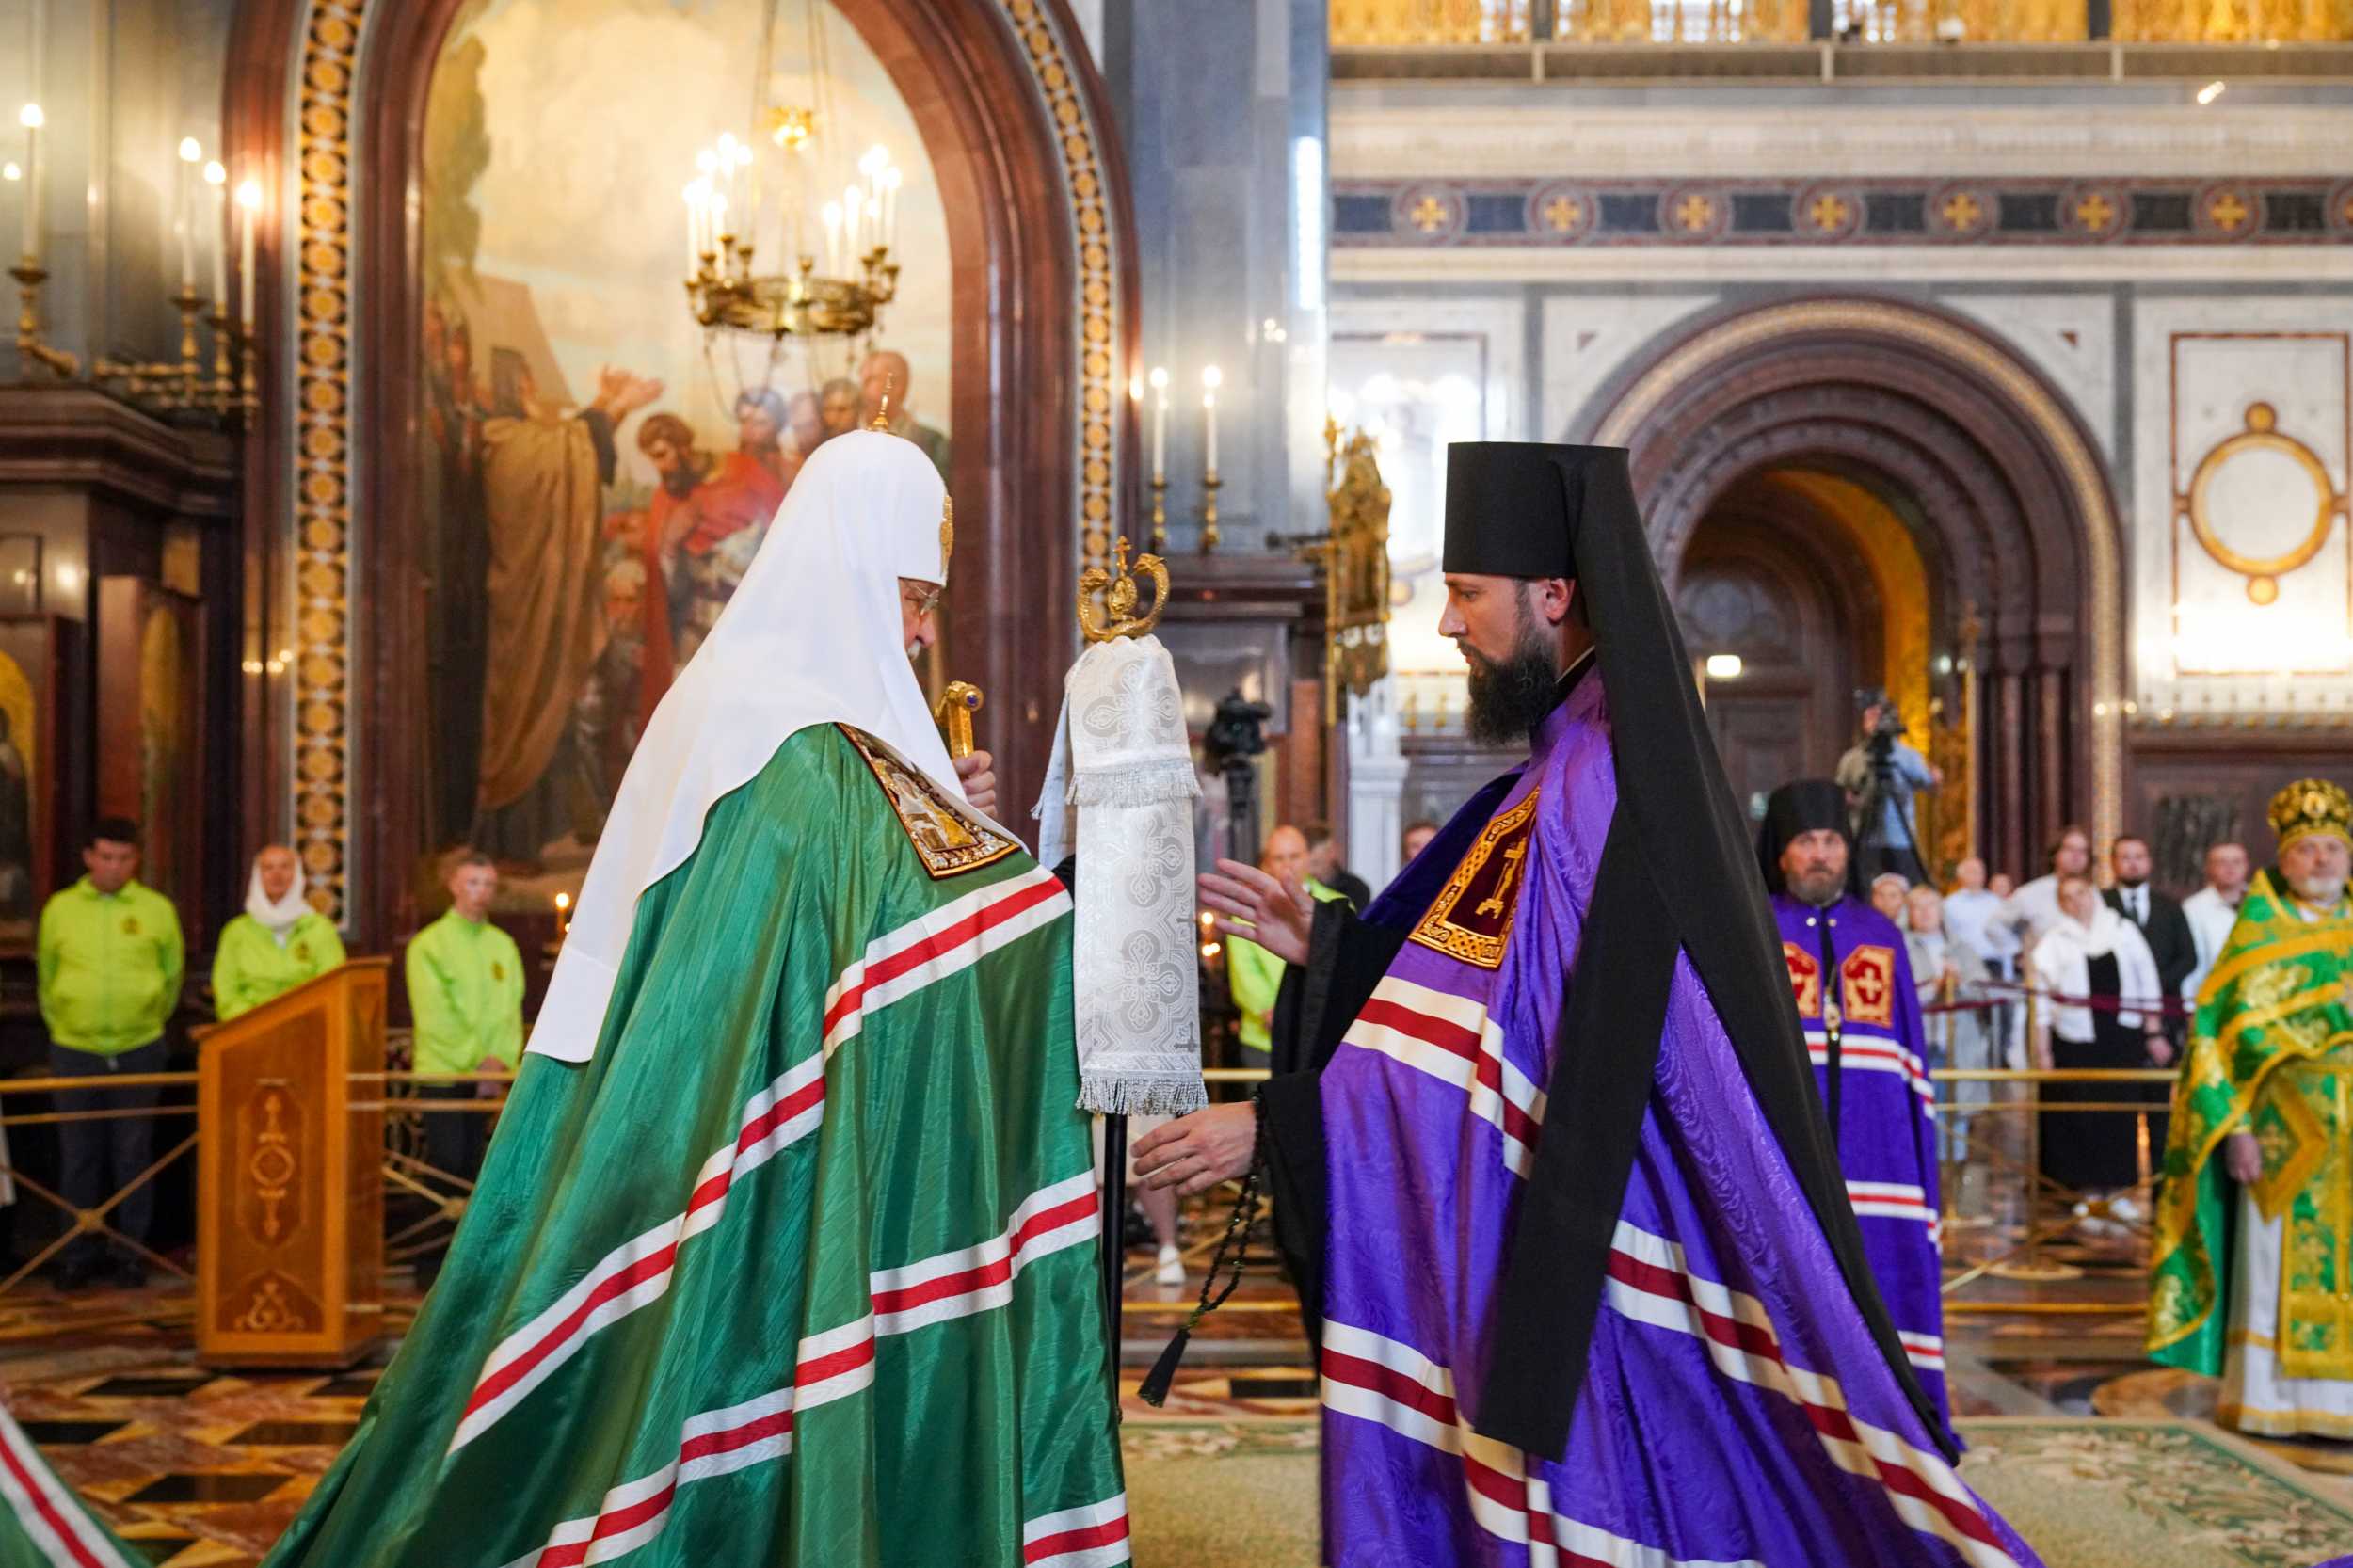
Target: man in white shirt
2214,909
2034,907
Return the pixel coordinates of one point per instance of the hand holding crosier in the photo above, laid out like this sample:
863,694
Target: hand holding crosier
1194,1153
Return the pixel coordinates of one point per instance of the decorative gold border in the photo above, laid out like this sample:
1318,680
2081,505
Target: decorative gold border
329,45
319,545
2261,434
2041,410
1437,930
988,846
1096,304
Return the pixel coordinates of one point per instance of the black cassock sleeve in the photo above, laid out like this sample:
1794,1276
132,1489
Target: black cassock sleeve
1346,959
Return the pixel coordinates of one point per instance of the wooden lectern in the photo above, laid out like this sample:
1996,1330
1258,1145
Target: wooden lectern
290,1176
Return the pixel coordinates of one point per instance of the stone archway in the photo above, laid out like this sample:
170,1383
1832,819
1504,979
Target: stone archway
2010,502
325,110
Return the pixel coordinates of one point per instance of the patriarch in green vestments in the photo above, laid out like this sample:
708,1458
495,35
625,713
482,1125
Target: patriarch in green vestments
2251,1273
784,1249
279,943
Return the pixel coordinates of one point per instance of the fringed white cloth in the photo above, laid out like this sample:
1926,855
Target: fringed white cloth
1120,790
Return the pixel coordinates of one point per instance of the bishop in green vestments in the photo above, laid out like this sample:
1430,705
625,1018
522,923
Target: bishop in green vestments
784,1252
2251,1273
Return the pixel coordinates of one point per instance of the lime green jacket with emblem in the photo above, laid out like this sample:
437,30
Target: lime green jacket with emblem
252,967
109,967
466,993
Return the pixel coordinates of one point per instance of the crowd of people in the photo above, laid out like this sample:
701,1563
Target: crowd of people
111,972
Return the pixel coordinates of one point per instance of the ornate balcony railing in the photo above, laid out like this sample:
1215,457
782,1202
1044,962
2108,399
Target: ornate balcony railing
1378,22
1424,22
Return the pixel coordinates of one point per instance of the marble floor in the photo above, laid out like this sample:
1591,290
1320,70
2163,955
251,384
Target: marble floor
204,1469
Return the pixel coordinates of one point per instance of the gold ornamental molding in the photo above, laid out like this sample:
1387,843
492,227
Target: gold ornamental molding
320,549
2261,434
2032,400
330,48
1048,53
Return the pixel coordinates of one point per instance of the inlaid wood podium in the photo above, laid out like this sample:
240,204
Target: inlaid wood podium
290,1176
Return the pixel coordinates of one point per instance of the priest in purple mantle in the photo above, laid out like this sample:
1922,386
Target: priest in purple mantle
1851,979
1550,1169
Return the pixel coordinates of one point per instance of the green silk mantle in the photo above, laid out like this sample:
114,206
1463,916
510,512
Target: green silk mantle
2267,1056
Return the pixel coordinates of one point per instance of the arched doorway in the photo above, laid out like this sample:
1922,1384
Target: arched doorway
327,113
1844,414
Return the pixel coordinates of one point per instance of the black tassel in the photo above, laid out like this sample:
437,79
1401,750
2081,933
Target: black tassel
1153,1390
1233,1248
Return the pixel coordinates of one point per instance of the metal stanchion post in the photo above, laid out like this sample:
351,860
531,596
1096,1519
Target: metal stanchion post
2031,1266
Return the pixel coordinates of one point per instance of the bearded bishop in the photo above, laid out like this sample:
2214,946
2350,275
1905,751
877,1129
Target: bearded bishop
2251,1270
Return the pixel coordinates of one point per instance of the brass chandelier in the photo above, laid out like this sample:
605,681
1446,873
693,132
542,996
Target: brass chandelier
772,193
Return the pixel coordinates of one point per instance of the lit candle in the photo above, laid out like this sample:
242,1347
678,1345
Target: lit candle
853,213
1210,379
727,172
892,182
1160,424
184,198
832,239
248,204
30,118
216,180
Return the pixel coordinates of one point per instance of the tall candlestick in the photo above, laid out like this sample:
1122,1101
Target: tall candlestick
183,198
30,118
217,220
1160,424
248,204
832,239
852,209
1211,379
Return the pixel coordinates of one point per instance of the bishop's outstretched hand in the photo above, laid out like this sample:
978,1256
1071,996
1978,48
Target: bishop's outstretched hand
1250,903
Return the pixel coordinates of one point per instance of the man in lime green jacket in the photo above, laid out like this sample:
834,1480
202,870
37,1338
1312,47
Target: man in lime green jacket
1255,974
466,996
279,943
109,963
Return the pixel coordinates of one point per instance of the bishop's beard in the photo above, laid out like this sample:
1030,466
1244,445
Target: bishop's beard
2322,891
1509,698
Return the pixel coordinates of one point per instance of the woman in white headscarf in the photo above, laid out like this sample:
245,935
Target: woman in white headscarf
279,943
2101,1007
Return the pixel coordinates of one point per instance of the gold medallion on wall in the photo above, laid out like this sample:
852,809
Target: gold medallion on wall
2261,438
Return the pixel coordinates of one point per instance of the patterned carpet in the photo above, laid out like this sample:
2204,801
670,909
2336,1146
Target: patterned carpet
2087,1494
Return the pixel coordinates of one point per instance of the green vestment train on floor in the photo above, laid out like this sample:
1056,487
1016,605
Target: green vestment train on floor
787,1255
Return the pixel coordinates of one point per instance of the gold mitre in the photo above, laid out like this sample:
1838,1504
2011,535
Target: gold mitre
2312,805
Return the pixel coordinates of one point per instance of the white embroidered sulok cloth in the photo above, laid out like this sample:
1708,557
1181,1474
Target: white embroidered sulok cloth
1120,790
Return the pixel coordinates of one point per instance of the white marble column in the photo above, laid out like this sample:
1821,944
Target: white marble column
1376,785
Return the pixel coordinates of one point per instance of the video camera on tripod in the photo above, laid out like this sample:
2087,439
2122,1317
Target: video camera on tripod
1881,795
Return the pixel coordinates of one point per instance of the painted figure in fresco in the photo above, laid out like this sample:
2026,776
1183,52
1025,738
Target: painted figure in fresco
16,826
707,521
456,564
759,418
543,481
885,379
837,408
806,416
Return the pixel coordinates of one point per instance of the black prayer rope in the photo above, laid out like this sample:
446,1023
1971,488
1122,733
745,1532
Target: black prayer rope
1233,1251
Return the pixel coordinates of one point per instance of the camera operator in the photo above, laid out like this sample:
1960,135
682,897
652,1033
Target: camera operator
1880,774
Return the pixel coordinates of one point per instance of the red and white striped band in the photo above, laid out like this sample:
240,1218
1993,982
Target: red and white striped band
1381,1380
1373,1378
638,1272
1650,1282
51,1517
1453,1039
1870,1054
841,1362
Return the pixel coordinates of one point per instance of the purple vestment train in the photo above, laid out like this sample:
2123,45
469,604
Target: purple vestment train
1735,1408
